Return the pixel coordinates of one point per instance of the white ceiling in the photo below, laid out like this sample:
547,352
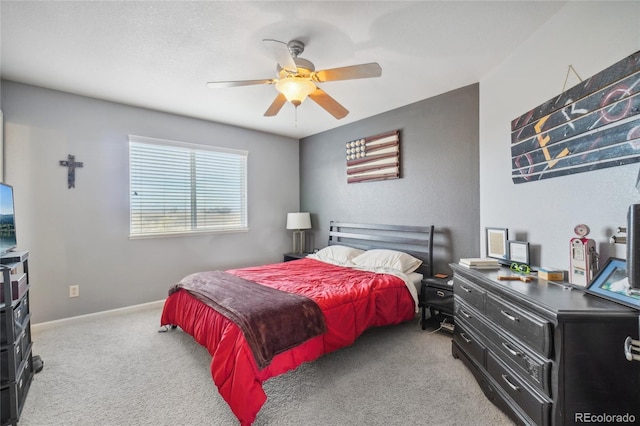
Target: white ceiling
160,54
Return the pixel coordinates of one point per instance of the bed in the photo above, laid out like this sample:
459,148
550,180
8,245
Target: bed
364,278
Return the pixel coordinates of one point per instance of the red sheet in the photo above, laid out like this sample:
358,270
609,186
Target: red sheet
351,300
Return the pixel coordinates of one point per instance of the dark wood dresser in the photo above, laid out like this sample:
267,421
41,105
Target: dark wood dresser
546,353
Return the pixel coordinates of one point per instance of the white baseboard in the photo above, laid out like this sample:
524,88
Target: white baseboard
65,321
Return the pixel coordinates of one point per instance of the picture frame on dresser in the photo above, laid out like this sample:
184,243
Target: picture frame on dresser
612,283
518,251
496,243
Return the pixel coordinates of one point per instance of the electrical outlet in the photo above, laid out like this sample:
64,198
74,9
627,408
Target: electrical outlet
74,290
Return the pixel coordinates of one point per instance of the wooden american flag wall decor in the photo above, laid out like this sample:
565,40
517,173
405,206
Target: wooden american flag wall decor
374,158
593,125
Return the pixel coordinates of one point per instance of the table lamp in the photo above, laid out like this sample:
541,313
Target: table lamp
298,222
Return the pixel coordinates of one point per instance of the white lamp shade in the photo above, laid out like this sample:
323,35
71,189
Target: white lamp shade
295,89
298,221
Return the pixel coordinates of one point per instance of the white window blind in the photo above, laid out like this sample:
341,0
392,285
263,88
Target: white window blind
178,188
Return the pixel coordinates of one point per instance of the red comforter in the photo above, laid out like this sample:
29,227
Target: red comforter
351,300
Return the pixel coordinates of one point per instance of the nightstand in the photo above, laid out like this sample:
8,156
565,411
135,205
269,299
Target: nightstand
436,295
294,256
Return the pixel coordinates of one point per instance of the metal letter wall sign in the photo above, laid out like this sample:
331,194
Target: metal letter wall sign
593,125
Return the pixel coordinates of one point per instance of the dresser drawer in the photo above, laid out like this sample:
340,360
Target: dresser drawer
20,315
534,405
469,292
13,394
438,298
8,369
21,312
527,362
464,312
527,327
470,343
533,367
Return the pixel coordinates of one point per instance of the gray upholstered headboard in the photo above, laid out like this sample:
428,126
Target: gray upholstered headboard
414,240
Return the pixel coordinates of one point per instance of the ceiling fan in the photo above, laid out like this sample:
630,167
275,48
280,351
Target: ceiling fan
297,79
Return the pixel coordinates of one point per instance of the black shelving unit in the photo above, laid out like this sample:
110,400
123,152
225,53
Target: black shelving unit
16,359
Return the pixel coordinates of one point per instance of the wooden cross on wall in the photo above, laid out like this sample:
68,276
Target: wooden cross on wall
71,163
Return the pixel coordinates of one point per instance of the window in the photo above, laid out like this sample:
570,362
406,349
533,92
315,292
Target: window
178,188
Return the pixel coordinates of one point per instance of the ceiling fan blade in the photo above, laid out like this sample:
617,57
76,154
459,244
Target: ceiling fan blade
328,103
278,102
348,73
222,84
280,51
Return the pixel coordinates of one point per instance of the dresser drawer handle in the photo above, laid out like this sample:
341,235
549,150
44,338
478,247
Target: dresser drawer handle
465,289
631,346
510,349
511,385
508,315
440,293
465,338
463,313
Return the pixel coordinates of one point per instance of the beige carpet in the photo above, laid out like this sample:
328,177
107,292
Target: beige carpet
120,371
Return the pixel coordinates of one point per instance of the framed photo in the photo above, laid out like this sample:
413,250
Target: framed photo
518,251
612,283
496,242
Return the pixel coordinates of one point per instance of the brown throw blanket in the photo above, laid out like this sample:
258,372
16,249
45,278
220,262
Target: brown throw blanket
272,321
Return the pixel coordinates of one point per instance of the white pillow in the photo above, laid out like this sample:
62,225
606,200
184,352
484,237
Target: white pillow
388,259
342,255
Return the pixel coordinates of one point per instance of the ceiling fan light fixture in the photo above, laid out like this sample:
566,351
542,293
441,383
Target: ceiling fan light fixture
295,89
297,79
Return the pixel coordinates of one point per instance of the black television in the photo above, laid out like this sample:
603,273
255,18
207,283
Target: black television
8,239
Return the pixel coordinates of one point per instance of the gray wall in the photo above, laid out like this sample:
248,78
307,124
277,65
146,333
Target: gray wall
590,36
80,236
451,177
439,174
